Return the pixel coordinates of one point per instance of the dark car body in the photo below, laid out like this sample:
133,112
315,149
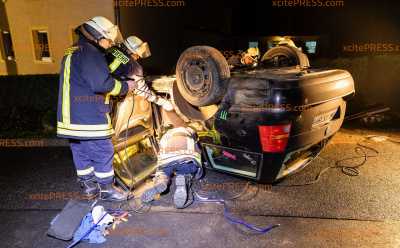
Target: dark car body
309,105
270,123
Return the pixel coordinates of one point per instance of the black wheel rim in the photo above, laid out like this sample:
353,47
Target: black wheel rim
197,77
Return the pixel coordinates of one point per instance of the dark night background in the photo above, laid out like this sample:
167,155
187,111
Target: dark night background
225,23
229,26
313,208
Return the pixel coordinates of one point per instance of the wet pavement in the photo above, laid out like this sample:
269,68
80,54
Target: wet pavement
337,211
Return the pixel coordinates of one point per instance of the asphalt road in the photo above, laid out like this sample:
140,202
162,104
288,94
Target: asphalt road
337,211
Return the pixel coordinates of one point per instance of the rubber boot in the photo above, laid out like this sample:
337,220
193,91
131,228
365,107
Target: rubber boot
109,193
89,188
160,184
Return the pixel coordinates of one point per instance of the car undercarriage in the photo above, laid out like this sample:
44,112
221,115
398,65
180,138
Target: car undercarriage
262,123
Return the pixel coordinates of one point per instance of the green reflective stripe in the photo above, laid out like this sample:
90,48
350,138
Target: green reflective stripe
78,133
223,115
117,88
70,50
79,127
79,130
107,99
114,92
114,65
213,133
65,127
66,115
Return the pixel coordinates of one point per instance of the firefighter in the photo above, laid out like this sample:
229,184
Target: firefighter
83,113
179,154
123,64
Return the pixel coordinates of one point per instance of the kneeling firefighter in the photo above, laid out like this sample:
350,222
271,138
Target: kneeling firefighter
123,64
83,113
179,154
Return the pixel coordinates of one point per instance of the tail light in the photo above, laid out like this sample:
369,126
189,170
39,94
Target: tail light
274,138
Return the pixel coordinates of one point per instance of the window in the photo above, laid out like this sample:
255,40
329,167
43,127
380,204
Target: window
41,45
253,44
311,46
2,53
8,46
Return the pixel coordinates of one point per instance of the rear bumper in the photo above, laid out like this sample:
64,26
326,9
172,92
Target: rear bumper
306,133
304,138
307,136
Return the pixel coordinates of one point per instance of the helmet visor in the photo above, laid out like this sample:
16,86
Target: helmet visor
114,34
143,50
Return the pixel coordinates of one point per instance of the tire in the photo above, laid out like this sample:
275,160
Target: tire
282,56
201,75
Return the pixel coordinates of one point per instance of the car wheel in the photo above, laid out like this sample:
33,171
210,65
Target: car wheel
201,75
284,55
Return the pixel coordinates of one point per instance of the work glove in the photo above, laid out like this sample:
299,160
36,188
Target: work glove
165,104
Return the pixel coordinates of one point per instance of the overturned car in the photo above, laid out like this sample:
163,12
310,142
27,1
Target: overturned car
262,123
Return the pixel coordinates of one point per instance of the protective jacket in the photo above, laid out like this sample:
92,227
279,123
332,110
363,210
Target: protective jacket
85,87
178,144
123,67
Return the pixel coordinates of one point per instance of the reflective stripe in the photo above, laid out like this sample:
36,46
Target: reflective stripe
104,174
71,50
92,133
114,92
117,88
78,127
85,172
65,127
190,144
114,65
78,130
164,154
119,55
66,91
108,119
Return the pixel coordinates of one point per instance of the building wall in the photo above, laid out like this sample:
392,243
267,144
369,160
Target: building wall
3,65
3,26
3,68
58,18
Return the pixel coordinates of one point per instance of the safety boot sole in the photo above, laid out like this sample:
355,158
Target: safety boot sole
149,194
180,195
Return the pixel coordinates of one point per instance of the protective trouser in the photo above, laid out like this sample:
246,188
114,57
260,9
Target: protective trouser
180,167
93,158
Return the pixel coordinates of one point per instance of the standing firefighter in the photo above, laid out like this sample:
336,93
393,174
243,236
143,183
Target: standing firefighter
123,64
83,113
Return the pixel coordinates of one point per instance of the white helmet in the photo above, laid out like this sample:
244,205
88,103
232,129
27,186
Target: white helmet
137,46
105,28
